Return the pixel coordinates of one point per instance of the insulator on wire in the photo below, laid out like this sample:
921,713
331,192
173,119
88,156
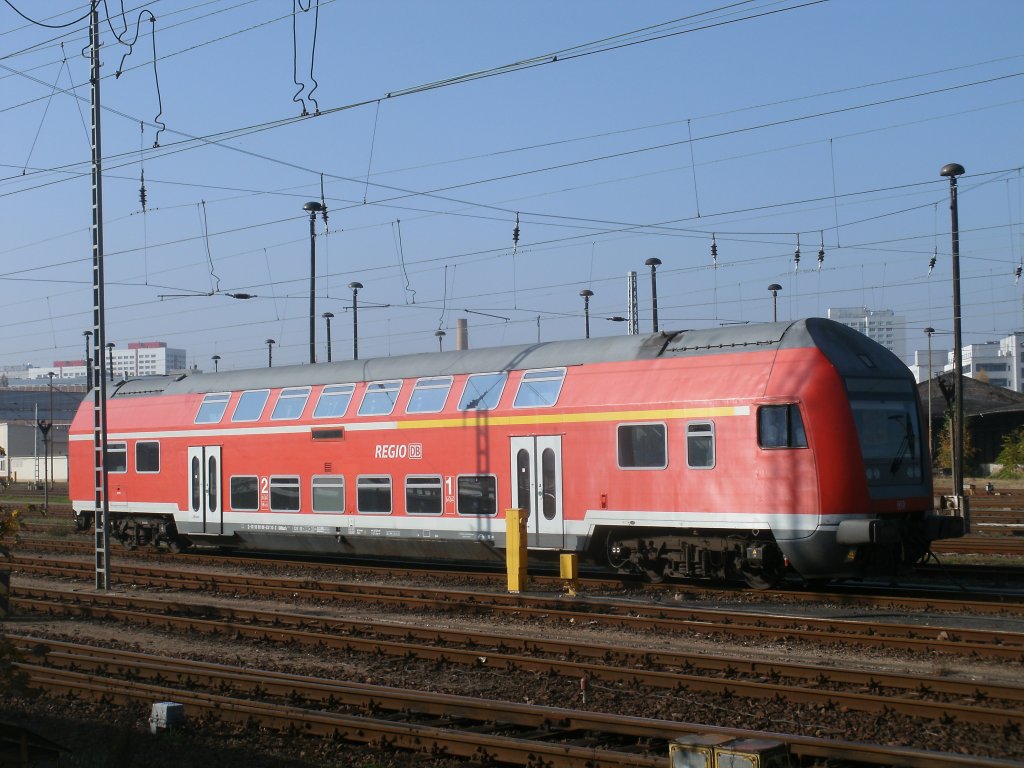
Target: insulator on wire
821,252
714,251
515,234
1016,275
796,255
142,190
931,262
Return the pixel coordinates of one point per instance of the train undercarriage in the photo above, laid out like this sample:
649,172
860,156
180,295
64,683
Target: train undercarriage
658,555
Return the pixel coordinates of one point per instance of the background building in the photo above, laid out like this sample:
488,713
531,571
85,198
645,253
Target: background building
139,358
881,325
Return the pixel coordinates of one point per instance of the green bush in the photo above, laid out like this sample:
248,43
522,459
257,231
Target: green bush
1012,455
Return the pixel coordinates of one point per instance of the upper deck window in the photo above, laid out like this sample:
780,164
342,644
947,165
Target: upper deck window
780,426
539,389
482,392
250,405
211,411
429,395
380,398
333,401
290,403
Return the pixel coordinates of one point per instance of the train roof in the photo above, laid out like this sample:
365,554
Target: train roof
851,352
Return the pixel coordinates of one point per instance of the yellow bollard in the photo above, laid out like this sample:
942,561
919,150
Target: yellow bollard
515,549
569,571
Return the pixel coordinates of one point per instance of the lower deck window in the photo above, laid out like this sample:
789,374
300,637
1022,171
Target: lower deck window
147,456
117,457
329,493
423,495
478,495
284,494
700,445
373,494
642,446
245,493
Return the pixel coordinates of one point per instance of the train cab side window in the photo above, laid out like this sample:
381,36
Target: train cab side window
284,494
539,389
245,493
423,495
780,426
329,493
373,494
290,403
380,398
700,445
478,495
147,456
333,401
429,395
117,457
642,446
250,405
211,410
483,391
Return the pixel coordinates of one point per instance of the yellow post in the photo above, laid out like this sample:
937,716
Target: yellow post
515,549
569,571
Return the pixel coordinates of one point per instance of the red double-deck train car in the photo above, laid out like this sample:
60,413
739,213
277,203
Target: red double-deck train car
739,452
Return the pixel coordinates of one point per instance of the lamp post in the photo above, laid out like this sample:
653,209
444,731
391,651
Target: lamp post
314,208
355,286
775,288
653,263
586,293
270,352
952,170
110,358
440,339
88,359
216,363
327,316
931,445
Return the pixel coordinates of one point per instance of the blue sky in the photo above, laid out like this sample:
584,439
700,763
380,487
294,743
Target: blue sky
751,121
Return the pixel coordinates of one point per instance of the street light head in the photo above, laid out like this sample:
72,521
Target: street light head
774,287
586,293
87,334
440,334
270,341
355,286
111,345
328,315
929,331
952,169
654,261
313,207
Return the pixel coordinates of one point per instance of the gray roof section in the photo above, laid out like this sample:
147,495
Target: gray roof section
552,354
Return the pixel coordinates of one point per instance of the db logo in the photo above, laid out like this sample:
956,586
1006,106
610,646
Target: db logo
415,451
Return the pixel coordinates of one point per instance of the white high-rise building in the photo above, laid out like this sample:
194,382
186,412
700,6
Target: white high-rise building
139,358
881,325
1000,363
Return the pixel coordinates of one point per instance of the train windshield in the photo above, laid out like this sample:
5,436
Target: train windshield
889,431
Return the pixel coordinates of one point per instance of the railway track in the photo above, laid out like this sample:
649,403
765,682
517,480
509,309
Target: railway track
487,730
866,691
928,638
917,596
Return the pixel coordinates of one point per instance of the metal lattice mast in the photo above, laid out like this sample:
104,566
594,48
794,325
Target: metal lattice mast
101,507
631,305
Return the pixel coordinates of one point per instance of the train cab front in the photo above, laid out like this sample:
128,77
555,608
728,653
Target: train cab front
885,518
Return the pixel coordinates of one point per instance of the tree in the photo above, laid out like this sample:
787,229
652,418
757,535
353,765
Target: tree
944,451
1012,454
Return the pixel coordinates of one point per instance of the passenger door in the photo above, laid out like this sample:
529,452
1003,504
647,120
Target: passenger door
205,496
537,488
